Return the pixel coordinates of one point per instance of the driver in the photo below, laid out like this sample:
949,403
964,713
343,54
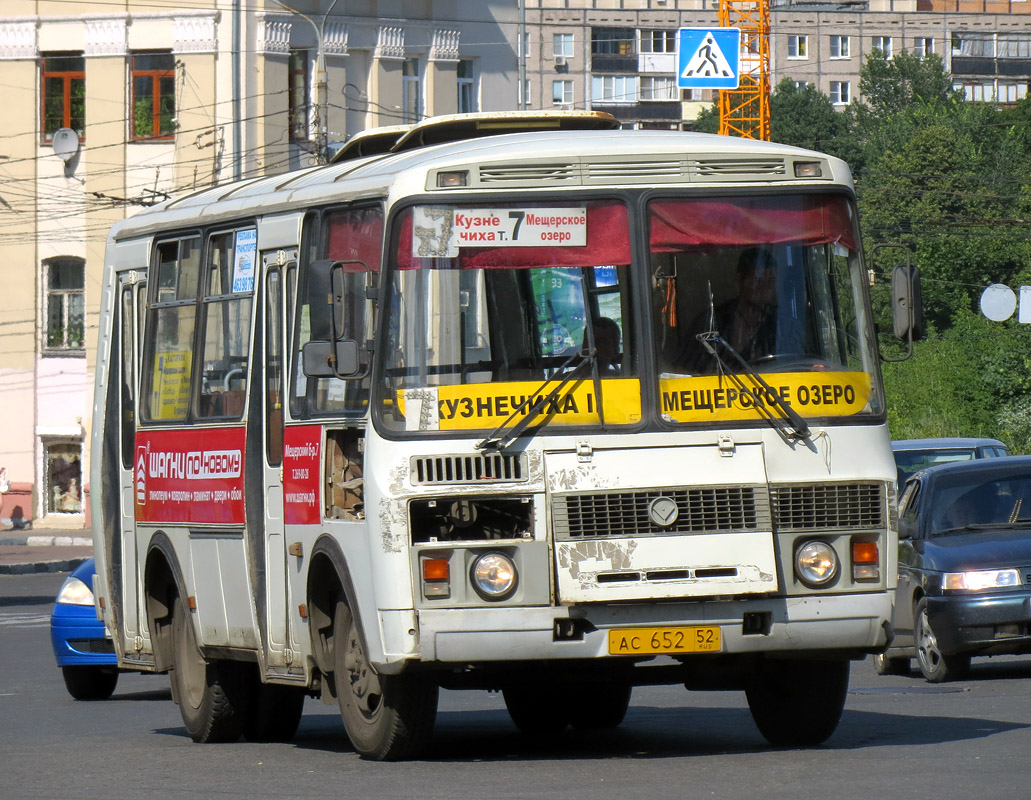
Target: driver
748,321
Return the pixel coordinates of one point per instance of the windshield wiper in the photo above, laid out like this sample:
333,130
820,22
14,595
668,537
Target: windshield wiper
789,424
502,436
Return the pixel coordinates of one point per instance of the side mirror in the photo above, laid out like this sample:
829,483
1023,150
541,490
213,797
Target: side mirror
321,359
907,305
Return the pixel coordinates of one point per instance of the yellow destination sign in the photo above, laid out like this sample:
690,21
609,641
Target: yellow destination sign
485,405
811,394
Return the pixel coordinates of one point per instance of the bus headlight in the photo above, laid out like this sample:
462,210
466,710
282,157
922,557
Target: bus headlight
494,576
816,563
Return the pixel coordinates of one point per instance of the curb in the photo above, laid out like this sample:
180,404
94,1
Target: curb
46,541
66,565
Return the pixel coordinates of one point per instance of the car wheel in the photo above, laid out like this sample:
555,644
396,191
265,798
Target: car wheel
85,682
212,696
538,708
273,713
935,667
387,717
797,703
884,665
606,707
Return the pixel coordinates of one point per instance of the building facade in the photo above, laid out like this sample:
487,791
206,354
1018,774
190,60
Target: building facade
620,57
132,102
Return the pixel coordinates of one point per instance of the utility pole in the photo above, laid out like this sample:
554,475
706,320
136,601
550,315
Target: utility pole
321,84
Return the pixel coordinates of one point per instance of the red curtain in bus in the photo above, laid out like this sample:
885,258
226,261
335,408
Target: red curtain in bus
736,221
608,244
356,235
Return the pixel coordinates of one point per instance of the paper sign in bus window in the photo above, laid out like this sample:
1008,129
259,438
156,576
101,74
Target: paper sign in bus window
245,253
440,232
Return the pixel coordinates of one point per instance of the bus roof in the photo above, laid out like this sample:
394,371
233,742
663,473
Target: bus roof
371,142
540,160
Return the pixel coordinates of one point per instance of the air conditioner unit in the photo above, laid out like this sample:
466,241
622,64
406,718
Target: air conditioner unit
560,61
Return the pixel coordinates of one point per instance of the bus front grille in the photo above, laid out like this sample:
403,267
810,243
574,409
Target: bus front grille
465,469
828,506
710,509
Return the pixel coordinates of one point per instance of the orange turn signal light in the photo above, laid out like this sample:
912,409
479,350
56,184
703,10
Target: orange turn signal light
865,553
436,569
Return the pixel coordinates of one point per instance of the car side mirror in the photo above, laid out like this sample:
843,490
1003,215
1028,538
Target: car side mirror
905,530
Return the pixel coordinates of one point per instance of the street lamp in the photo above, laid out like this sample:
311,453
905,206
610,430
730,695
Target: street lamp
321,91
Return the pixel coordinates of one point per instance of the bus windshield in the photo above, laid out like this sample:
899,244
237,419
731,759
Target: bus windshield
488,302
773,284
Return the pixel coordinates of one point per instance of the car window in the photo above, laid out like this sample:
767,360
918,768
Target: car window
996,501
909,462
908,504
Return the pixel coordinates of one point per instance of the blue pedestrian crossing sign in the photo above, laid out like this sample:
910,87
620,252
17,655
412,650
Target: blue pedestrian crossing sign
708,58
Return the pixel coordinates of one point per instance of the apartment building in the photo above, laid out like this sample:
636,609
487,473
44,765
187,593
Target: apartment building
619,57
118,104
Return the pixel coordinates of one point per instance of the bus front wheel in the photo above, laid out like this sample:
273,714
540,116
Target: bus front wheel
211,695
387,717
797,703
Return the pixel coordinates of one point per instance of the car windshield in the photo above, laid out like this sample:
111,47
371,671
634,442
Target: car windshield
964,502
911,461
780,282
489,307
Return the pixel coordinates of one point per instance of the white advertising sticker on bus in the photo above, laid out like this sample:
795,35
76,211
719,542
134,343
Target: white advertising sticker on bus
440,232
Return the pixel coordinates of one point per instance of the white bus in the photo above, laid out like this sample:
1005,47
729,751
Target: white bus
551,413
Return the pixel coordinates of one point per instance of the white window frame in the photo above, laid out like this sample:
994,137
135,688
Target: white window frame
562,44
615,89
841,93
523,93
467,88
884,44
647,38
412,108
665,86
840,46
798,47
563,97
67,298
923,46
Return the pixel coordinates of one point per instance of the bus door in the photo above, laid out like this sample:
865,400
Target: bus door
131,308
277,265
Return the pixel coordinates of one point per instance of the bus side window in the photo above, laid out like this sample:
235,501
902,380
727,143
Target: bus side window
226,332
345,495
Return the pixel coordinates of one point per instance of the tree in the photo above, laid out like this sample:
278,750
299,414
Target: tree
804,117
894,85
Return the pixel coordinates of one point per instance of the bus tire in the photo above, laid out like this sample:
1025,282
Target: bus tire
273,713
797,703
606,707
538,708
212,695
90,682
387,717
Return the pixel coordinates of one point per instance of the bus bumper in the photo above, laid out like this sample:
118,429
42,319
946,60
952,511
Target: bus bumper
857,622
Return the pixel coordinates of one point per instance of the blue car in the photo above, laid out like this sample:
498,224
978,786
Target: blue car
84,653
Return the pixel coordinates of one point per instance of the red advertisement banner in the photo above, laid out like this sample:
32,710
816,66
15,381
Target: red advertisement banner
191,476
302,500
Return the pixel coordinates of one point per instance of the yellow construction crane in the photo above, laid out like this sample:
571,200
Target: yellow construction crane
745,111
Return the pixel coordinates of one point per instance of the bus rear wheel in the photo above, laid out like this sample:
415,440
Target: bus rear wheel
212,695
797,703
387,717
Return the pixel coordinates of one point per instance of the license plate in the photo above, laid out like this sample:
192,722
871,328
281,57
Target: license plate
655,641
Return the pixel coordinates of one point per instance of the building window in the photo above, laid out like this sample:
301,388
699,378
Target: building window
63,91
523,46
561,92
466,88
153,96
658,87
801,84
299,96
63,477
563,44
1014,45
841,93
65,303
659,41
923,46
411,92
798,46
523,93
614,88
882,43
840,47
613,41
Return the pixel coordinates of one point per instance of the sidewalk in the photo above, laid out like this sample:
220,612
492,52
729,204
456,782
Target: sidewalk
23,552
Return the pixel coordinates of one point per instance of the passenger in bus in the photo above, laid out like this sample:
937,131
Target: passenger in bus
606,345
747,322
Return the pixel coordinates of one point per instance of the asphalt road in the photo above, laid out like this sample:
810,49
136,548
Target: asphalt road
899,737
